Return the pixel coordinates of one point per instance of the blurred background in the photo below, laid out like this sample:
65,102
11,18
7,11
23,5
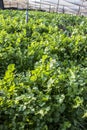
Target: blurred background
77,7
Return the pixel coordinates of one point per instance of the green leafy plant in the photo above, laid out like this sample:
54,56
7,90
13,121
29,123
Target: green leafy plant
43,71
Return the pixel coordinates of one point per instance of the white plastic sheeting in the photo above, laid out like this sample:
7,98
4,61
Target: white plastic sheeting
65,6
78,7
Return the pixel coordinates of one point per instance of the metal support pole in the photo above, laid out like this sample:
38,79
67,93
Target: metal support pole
82,4
79,10
40,4
35,4
27,11
63,9
17,5
57,6
50,8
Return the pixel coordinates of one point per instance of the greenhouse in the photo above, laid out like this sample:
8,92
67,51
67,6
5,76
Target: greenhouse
77,7
43,65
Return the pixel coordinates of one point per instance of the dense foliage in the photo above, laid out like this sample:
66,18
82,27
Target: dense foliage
43,71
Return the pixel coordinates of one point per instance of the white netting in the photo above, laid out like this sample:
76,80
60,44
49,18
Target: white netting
78,7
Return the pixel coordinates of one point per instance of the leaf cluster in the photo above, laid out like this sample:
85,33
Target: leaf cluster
43,71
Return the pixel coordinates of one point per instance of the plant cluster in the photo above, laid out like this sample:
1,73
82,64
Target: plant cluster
43,71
